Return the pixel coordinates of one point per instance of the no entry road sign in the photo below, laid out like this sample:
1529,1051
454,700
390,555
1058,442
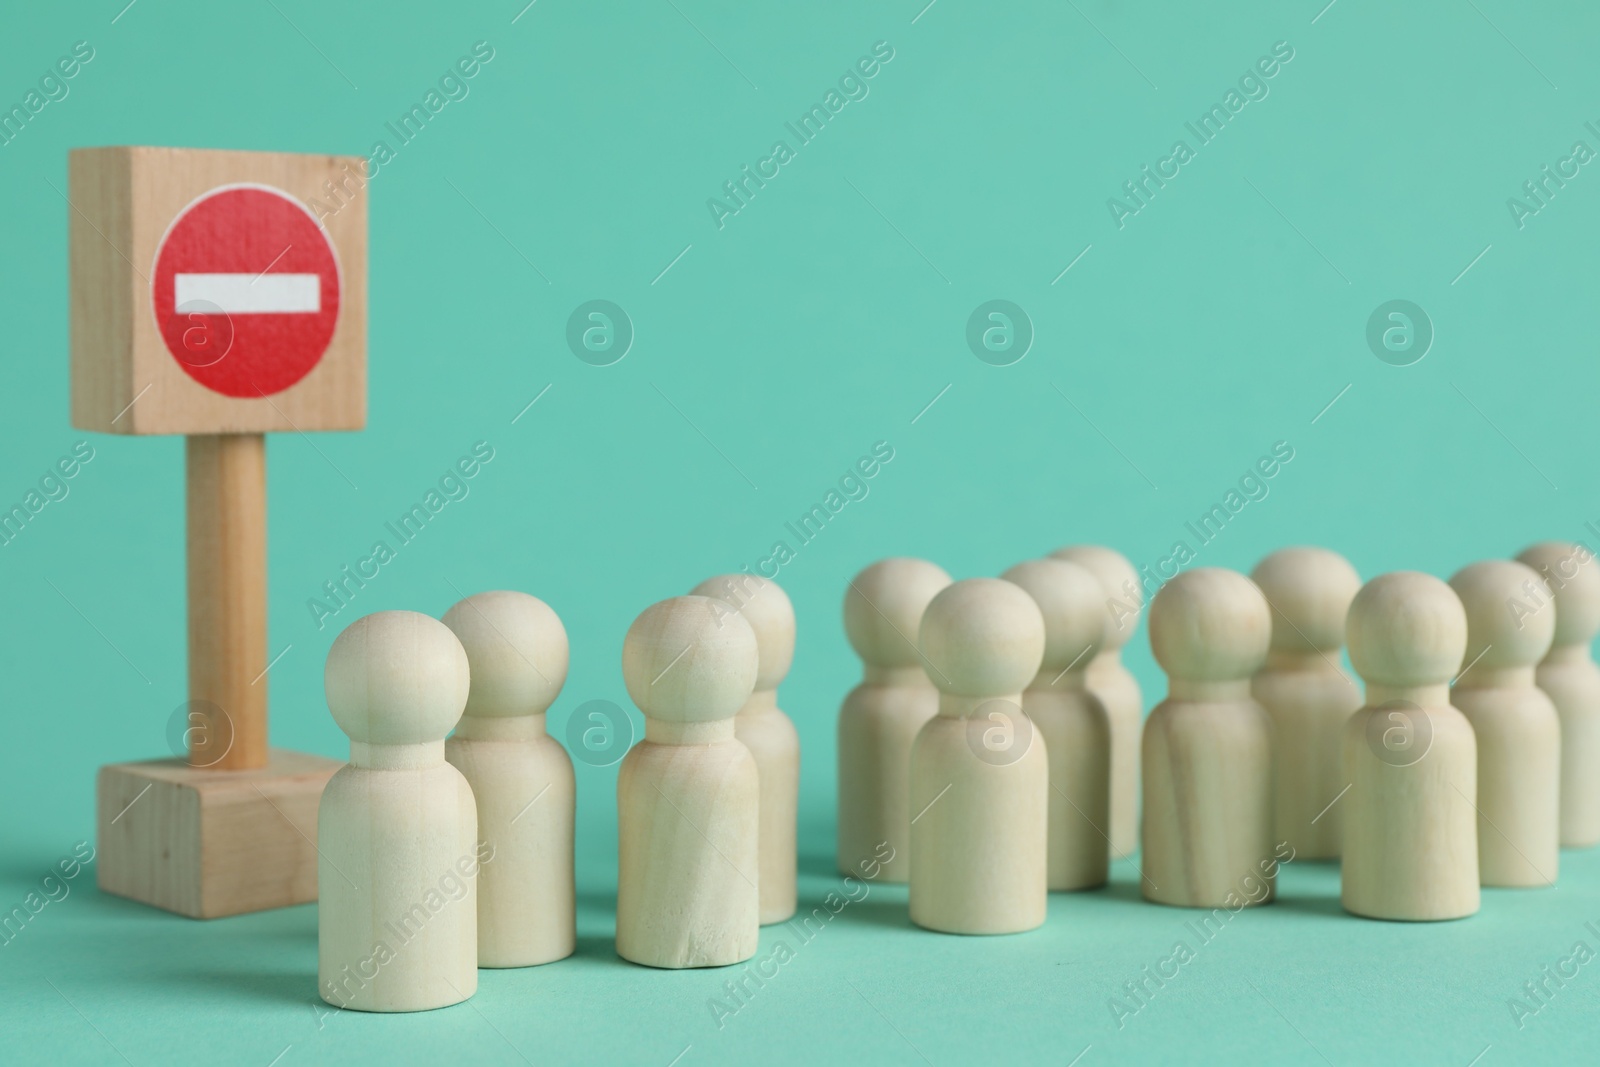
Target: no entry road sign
207,298
245,290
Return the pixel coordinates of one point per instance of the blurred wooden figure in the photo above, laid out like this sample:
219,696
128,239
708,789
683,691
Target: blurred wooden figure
767,732
879,720
1307,693
1571,679
397,921
1410,825
688,794
980,776
1517,730
1115,685
1208,746
521,776
1070,719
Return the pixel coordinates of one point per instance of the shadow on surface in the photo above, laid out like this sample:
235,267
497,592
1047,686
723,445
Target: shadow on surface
597,947
817,865
604,903
22,873
296,922
1311,905
1121,890
872,911
293,988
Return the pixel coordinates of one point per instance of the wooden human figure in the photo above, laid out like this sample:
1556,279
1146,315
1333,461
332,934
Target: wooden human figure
1308,694
1208,746
1070,719
1410,828
879,720
1517,730
688,794
980,775
397,920
1115,685
767,732
1569,676
521,776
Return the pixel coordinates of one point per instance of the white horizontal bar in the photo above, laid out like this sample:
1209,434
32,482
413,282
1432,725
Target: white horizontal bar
249,294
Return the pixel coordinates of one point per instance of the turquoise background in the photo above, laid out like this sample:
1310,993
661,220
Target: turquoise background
824,317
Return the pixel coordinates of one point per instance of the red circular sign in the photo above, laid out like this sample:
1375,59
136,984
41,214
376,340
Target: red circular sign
246,290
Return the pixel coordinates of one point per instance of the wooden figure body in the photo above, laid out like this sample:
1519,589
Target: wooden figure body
980,775
1115,686
767,732
1072,721
397,922
1568,675
1208,746
1410,828
880,718
520,776
1517,730
1307,693
688,794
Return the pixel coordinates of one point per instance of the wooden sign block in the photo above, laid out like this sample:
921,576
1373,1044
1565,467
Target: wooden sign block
208,297
208,843
219,296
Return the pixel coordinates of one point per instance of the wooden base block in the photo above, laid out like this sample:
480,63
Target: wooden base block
207,843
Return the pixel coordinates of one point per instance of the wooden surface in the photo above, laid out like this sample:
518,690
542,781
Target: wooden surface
1114,685
122,201
1071,720
520,776
980,835
1410,821
980,826
1571,679
399,866
397,921
1410,838
227,588
1517,730
525,792
1208,747
763,728
879,719
208,843
1308,693
878,724
1569,676
688,855
688,795
769,734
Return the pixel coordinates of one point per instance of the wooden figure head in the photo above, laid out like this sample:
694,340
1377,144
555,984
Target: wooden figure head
883,608
517,650
689,659
1498,635
1406,629
396,678
1573,575
1119,582
1210,625
1309,591
1072,601
982,637
767,609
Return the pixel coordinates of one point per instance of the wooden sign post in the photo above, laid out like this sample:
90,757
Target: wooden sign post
208,300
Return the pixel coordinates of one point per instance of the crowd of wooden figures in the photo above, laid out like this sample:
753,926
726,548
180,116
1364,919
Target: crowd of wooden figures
993,753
